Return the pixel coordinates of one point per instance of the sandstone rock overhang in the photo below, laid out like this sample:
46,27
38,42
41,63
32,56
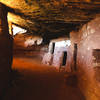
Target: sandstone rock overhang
51,18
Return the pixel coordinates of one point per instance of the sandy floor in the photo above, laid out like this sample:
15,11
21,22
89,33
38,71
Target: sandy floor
35,81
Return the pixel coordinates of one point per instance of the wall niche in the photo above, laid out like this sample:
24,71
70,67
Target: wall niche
96,63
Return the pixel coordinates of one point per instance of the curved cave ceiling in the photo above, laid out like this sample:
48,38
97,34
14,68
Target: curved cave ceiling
51,18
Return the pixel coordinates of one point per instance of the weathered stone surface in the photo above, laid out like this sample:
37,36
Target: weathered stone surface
43,17
6,46
88,40
56,59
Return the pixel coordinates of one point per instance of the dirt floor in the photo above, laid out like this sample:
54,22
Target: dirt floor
34,81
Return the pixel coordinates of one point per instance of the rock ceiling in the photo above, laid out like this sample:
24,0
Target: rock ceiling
46,17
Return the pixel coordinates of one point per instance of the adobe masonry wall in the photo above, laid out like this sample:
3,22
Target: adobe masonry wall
87,39
55,59
58,56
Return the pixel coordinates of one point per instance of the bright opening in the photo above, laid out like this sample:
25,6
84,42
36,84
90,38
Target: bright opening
18,30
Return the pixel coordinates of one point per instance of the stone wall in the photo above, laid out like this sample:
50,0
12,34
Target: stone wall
56,58
87,40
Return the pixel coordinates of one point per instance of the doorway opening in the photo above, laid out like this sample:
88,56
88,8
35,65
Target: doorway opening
96,63
64,58
75,57
63,64
53,48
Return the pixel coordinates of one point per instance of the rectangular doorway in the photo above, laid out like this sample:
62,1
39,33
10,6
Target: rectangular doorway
64,58
53,48
75,57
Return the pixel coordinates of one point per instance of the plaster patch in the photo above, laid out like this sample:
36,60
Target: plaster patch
92,31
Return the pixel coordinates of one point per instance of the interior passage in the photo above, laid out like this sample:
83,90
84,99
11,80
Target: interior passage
34,81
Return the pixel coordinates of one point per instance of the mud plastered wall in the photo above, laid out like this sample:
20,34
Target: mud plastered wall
88,40
56,58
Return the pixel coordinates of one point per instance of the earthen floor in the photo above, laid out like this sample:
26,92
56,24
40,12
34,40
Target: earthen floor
39,82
